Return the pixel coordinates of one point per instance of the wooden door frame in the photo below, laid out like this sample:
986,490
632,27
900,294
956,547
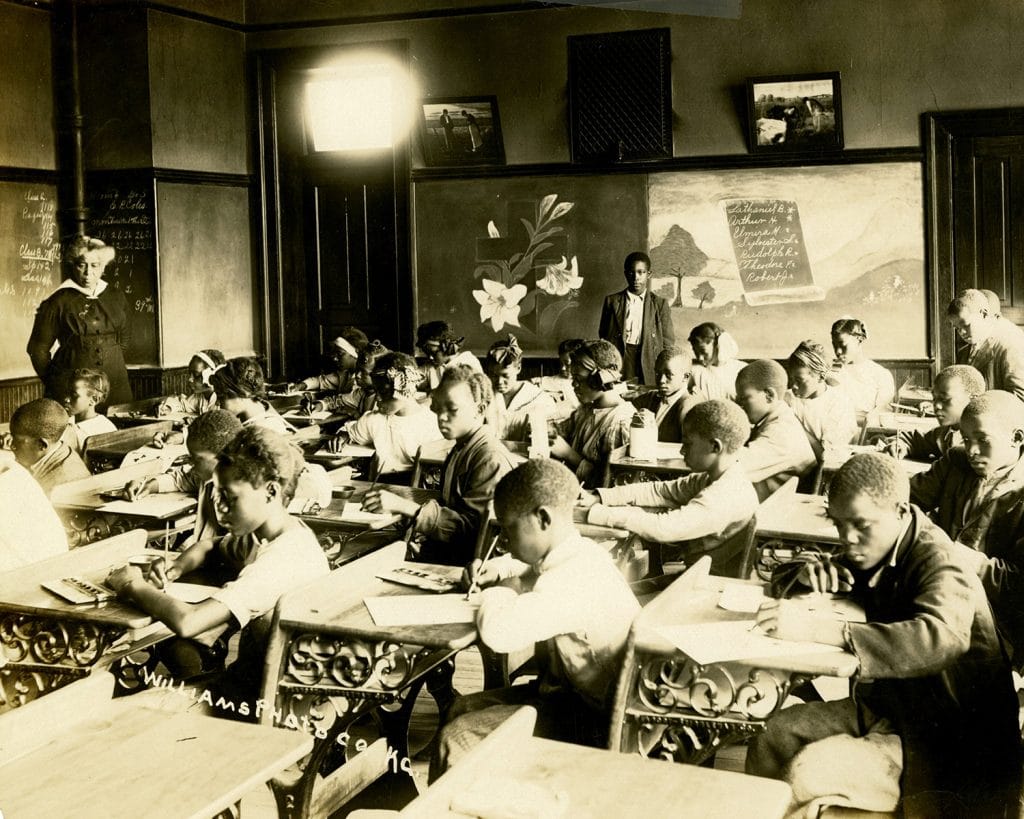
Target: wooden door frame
940,130
265,68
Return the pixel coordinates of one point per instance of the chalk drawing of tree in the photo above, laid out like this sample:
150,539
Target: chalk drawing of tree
704,292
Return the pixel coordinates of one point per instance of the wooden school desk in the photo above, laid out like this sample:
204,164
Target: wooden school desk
676,708
832,459
328,663
667,464
597,783
889,423
137,413
48,642
106,450
789,522
77,504
123,761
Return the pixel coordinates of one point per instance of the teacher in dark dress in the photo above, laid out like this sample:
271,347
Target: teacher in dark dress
637,321
88,319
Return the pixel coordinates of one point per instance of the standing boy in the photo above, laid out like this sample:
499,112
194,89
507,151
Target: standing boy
997,348
778,448
933,715
698,512
637,321
573,603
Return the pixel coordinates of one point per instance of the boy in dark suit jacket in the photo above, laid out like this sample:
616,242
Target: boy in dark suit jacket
637,321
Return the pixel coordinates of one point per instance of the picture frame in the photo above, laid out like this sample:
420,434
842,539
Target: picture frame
795,112
472,135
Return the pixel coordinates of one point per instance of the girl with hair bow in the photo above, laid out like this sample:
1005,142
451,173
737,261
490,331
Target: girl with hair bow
202,398
514,400
869,384
825,411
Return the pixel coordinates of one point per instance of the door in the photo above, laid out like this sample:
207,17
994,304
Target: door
976,206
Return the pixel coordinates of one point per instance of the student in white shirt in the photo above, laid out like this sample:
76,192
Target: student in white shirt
241,390
514,400
86,389
825,411
443,349
29,528
715,362
870,385
570,597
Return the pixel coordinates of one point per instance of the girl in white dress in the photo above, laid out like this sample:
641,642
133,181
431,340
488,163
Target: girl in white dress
715,362
870,385
514,400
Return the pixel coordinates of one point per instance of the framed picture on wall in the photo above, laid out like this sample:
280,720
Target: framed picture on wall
795,112
461,131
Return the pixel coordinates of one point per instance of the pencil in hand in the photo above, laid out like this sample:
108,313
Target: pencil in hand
474,586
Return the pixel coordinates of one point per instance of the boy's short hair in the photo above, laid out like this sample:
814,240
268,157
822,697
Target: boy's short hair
875,474
569,345
720,419
538,482
966,376
239,378
668,353
1003,405
634,257
598,355
96,383
995,304
971,300
764,374
478,383
42,418
258,455
213,430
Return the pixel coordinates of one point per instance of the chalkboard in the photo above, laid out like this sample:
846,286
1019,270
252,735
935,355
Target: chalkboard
29,267
533,256
121,214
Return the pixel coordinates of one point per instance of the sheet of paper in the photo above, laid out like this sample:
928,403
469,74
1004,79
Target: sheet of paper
354,513
720,642
301,415
161,505
421,609
742,598
189,592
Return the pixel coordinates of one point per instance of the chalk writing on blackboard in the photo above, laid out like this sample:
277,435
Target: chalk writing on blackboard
38,251
770,252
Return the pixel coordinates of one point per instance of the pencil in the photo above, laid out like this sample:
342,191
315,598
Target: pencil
486,557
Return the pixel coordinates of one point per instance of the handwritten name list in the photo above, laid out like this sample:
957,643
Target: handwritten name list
769,244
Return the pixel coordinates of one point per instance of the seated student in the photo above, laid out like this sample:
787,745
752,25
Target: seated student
953,389
471,471
825,412
706,508
87,388
343,353
361,398
778,447
997,348
37,430
514,400
933,717
266,553
201,398
29,528
442,348
400,425
559,387
600,423
241,390
207,437
715,362
870,385
673,397
573,600
976,495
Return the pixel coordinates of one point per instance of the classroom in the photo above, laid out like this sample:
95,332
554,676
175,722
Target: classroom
507,408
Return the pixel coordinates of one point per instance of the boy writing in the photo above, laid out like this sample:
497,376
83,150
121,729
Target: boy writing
87,389
673,397
266,553
572,599
778,447
977,494
933,714
704,509
954,387
36,439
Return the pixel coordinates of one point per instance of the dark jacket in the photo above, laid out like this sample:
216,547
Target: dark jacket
655,334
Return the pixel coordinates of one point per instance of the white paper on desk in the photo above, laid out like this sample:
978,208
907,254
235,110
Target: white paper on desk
160,505
302,415
720,642
741,597
166,454
421,610
189,592
354,513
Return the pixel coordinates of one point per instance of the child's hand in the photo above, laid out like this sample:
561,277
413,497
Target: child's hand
383,502
6,440
561,449
823,575
337,442
163,409
482,574
122,577
897,448
788,620
161,574
587,499
136,489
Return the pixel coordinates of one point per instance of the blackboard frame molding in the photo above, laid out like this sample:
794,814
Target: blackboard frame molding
678,163
12,174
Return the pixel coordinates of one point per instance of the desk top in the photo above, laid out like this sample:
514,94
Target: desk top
795,516
128,761
892,422
593,780
84,494
123,441
21,592
667,459
334,604
835,458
